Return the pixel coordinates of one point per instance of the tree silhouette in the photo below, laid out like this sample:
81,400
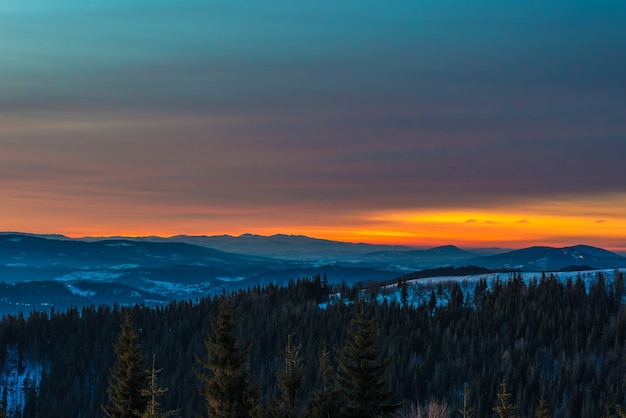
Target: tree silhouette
362,370
290,378
128,377
226,386
3,403
325,402
506,408
543,409
466,410
153,409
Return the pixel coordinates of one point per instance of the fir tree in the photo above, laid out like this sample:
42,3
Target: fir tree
226,385
404,292
30,397
3,403
290,378
608,412
325,402
506,408
543,409
465,411
432,302
362,370
128,377
153,409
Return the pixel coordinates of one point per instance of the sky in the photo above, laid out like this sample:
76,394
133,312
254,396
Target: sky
425,122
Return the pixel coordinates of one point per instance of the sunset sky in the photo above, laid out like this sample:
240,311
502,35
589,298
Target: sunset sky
421,122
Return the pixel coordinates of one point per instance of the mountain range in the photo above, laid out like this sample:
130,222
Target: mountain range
157,270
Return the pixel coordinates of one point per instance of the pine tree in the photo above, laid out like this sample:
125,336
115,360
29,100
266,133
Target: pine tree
543,409
30,397
432,302
325,402
3,403
290,378
128,377
608,412
505,409
325,284
227,387
404,292
362,370
153,409
466,411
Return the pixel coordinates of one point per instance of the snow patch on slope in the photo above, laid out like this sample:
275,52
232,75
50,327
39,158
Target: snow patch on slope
93,275
20,378
84,293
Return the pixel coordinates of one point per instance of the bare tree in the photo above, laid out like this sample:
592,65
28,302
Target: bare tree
431,409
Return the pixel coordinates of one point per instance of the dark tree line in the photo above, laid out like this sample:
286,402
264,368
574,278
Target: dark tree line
560,348
228,388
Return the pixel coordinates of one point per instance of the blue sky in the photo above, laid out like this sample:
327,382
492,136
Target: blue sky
237,116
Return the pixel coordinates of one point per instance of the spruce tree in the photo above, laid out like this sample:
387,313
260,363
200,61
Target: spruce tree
466,410
128,377
325,402
30,397
153,409
3,403
543,409
404,292
290,378
225,383
506,408
362,373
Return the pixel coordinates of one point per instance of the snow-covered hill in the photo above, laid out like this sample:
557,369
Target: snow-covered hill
419,290
41,272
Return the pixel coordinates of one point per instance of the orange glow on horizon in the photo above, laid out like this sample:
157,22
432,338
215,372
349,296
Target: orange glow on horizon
461,237
599,222
510,230
466,230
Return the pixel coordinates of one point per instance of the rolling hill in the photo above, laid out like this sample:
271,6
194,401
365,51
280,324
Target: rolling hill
44,271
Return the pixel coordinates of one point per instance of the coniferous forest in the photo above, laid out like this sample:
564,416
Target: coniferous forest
526,349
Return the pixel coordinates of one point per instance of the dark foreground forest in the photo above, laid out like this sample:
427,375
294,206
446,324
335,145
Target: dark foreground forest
557,344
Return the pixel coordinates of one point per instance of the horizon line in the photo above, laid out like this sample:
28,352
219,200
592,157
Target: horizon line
621,251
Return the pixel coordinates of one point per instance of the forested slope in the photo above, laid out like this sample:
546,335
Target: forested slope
545,338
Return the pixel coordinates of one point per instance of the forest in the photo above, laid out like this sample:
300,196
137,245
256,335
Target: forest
545,347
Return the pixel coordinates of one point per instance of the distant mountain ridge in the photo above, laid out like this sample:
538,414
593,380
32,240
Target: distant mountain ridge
541,258
246,249
299,247
36,251
67,272
292,247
